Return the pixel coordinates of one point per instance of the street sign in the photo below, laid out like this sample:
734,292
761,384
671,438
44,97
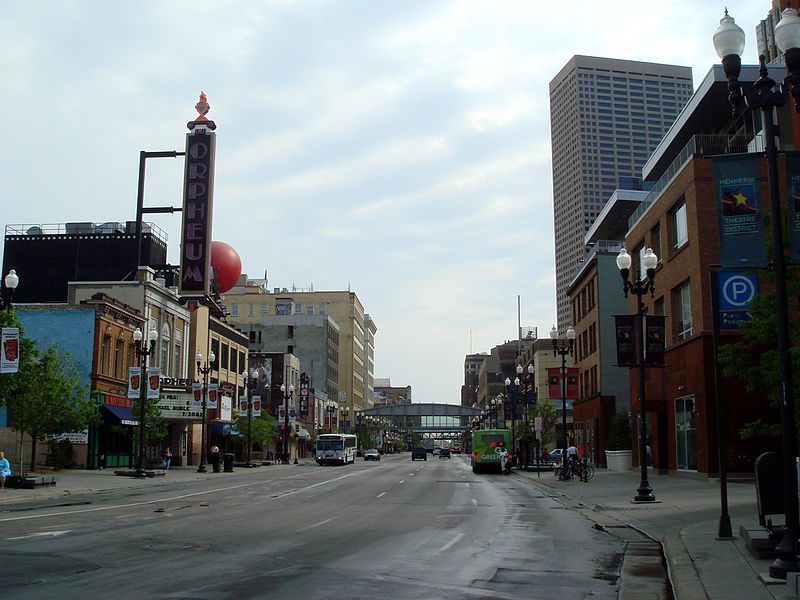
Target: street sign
736,291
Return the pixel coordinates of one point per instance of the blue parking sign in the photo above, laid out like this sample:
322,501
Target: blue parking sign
736,292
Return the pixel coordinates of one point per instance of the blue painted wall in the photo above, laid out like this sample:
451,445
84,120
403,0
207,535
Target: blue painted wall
72,329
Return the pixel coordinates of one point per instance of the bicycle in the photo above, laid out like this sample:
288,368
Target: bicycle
574,468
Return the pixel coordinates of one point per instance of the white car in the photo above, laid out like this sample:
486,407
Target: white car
436,451
372,454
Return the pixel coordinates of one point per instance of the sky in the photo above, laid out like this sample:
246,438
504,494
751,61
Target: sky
401,148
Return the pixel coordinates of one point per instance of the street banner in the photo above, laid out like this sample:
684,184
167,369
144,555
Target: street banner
554,382
572,383
197,396
626,340
793,208
242,405
153,382
537,425
739,214
256,406
655,345
10,358
211,403
134,382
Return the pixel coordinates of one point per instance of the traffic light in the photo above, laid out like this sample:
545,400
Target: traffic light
282,433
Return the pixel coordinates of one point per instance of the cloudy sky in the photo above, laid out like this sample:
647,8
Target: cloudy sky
398,147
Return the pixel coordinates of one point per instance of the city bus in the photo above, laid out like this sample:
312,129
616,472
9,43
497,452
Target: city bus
486,444
336,448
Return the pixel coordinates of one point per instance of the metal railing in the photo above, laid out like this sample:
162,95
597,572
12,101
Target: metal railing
85,228
703,145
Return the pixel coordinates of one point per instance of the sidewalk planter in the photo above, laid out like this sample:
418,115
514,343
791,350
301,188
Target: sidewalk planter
619,460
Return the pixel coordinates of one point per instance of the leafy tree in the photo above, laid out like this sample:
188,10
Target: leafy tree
155,425
263,429
547,411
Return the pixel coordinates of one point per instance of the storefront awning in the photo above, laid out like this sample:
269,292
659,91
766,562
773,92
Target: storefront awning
303,434
117,415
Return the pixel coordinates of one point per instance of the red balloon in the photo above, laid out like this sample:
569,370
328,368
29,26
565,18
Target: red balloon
226,264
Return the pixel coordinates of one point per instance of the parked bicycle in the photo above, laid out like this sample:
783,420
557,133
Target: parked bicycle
576,468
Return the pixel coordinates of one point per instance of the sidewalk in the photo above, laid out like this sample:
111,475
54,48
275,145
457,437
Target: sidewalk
684,520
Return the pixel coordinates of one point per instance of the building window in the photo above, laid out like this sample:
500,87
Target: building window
234,310
322,308
264,307
309,310
224,357
251,312
177,361
682,309
119,355
679,233
105,355
165,344
298,308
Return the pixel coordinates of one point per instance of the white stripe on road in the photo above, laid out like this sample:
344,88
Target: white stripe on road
451,542
316,524
39,534
381,494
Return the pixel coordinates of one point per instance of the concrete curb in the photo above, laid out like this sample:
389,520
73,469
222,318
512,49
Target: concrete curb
681,571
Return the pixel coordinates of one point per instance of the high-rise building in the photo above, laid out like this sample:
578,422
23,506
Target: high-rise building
606,118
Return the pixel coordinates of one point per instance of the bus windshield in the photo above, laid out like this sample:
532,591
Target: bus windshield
329,444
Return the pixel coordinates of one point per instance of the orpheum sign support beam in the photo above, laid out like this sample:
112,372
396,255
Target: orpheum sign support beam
198,194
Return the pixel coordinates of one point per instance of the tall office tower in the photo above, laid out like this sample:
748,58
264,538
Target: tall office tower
606,117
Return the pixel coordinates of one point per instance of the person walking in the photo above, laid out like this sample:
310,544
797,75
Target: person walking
572,454
5,470
503,452
166,457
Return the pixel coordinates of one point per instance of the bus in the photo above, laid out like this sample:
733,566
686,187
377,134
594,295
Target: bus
336,448
485,449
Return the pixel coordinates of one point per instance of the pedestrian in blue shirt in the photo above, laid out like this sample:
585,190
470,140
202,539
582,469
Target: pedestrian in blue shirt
5,470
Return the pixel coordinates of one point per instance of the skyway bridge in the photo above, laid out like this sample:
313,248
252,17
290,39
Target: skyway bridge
430,420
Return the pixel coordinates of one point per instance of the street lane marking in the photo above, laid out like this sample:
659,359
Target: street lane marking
39,534
124,516
451,542
381,494
316,524
402,481
475,502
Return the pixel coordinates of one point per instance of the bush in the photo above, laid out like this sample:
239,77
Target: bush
619,433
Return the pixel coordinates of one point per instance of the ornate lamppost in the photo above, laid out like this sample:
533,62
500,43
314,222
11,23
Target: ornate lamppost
640,288
562,346
250,381
767,96
286,398
143,350
11,282
204,370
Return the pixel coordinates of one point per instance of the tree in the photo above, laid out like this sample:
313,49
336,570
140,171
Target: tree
263,429
47,396
547,411
619,432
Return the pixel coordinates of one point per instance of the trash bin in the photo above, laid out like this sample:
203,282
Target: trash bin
228,462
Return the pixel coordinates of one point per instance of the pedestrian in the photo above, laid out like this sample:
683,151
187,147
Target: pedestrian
503,459
165,459
572,454
5,470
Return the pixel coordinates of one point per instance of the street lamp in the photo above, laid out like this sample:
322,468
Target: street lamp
11,282
512,396
204,370
286,398
639,288
344,412
143,350
529,385
250,381
562,346
331,410
765,95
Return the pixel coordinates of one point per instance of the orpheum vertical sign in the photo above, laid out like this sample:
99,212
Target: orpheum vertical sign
198,193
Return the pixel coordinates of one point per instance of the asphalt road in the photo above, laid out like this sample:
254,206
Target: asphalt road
388,529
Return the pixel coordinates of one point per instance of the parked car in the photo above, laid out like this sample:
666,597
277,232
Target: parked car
372,454
455,450
436,450
444,453
419,453
556,454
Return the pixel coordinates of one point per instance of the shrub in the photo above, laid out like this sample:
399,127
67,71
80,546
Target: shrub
619,433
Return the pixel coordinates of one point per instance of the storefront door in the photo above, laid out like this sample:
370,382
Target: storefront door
685,434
